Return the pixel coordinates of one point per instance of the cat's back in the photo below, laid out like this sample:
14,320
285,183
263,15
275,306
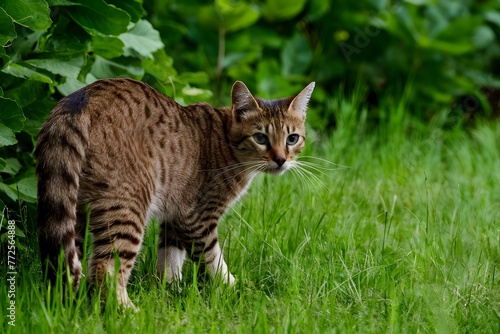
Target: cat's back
116,101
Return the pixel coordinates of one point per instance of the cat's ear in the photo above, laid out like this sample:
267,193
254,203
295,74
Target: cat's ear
299,102
242,99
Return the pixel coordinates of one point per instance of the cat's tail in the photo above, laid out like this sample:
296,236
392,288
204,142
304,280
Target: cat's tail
60,154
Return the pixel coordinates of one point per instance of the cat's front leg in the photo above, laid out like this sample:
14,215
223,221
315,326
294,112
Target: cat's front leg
216,265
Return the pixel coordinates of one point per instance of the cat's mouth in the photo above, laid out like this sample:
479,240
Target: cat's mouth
275,169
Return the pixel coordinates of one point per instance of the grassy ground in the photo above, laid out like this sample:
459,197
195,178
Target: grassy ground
405,240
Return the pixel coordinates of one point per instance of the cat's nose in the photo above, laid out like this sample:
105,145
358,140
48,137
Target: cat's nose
280,160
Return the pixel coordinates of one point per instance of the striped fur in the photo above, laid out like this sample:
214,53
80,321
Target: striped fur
130,154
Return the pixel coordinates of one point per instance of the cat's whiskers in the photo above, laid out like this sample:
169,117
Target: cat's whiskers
322,160
315,168
247,168
307,175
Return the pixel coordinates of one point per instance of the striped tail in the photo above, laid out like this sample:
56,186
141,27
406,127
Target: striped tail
60,155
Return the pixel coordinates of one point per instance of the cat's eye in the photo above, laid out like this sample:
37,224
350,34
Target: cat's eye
260,138
292,139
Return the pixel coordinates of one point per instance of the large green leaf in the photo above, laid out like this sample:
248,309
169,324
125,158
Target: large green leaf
493,16
37,112
132,7
8,190
483,37
120,67
108,47
142,39
161,66
27,92
65,44
34,14
7,30
229,15
26,189
10,166
21,71
457,38
65,67
11,115
70,85
7,136
296,55
277,10
97,17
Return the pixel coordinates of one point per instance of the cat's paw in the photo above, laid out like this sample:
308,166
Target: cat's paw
124,301
175,286
229,279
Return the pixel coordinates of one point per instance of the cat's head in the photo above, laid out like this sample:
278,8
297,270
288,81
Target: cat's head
268,135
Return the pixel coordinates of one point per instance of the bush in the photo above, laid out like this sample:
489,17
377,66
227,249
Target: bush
50,49
435,54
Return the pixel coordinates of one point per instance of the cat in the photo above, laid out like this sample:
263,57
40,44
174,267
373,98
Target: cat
122,153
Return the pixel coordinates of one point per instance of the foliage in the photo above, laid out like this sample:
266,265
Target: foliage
50,49
404,240
435,53
411,246
444,50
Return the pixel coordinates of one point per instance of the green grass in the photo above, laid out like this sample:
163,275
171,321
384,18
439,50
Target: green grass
405,240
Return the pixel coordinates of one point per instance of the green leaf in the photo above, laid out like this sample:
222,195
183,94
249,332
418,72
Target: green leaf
493,16
26,189
296,55
7,136
20,71
3,163
316,9
27,92
278,10
161,66
64,44
270,81
97,17
19,233
107,47
36,113
34,14
11,115
119,67
67,68
70,85
10,166
7,30
8,190
194,78
229,15
457,38
132,7
483,36
142,39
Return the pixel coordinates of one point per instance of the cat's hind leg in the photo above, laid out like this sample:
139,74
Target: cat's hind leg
171,255
117,234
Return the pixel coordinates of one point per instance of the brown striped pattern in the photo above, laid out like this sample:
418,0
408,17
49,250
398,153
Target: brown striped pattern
128,153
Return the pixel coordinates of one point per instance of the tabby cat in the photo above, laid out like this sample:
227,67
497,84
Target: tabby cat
122,153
